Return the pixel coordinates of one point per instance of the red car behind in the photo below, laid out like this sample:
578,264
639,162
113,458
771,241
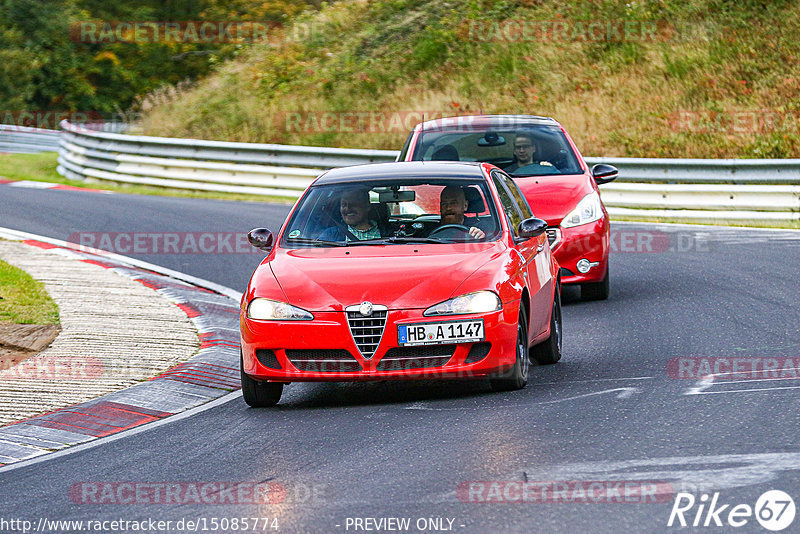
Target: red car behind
542,158
406,294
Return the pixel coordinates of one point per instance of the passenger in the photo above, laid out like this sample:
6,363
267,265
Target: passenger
452,206
354,207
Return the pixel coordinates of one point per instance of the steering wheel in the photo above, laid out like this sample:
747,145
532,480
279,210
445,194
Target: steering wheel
449,227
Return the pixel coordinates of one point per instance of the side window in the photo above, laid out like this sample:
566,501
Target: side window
522,202
509,205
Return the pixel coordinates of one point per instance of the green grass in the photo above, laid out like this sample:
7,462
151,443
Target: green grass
41,167
714,222
24,300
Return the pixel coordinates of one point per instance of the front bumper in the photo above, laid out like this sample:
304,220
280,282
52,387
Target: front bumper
589,241
328,339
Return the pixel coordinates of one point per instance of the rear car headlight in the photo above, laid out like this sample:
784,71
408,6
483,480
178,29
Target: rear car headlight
272,310
589,209
478,302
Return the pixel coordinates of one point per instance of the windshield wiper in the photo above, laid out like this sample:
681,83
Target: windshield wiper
412,239
376,241
397,240
316,242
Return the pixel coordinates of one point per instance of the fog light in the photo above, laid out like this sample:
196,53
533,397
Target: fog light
585,265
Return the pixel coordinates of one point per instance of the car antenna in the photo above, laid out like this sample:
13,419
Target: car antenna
421,133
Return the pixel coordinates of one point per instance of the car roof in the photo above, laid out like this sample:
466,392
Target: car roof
372,172
486,121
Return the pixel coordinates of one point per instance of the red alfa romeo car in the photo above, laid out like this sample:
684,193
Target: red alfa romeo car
552,174
401,271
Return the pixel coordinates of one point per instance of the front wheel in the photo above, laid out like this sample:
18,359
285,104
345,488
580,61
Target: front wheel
549,350
259,394
517,376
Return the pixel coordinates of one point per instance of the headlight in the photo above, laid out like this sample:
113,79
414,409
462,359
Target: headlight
272,310
588,210
478,302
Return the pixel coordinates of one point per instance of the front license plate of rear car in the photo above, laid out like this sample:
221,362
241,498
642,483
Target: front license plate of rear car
435,333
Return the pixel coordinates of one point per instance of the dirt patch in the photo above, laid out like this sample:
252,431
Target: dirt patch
21,341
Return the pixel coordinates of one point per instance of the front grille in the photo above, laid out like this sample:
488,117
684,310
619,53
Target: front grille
423,357
553,236
268,359
367,330
323,360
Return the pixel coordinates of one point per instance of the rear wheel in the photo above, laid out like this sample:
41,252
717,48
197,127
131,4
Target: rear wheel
549,351
596,290
517,376
259,394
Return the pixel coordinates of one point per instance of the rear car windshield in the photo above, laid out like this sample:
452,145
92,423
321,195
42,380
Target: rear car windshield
520,150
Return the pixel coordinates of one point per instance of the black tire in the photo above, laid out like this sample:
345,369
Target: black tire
596,290
516,377
549,350
259,394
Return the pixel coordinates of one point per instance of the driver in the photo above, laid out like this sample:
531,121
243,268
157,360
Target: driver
354,208
524,153
452,205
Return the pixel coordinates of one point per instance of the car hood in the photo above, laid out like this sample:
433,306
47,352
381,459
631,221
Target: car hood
397,276
553,197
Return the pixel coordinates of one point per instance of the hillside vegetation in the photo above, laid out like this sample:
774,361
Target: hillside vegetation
62,55
692,83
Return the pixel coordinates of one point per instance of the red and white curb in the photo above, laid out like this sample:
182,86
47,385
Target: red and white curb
31,184
211,374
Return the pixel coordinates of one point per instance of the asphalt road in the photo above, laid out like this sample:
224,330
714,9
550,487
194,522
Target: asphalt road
613,411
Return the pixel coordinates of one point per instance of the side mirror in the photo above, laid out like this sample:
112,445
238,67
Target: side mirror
603,173
532,227
261,238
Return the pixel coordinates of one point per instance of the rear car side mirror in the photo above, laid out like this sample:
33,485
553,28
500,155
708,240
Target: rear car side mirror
603,173
261,238
532,227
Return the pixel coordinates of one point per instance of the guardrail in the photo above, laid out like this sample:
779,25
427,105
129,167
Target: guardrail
251,168
20,139
705,171
694,189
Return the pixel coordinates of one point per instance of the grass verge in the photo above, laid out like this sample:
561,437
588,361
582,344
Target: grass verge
23,300
712,222
41,167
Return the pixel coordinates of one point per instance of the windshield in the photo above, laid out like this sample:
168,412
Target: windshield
520,150
399,211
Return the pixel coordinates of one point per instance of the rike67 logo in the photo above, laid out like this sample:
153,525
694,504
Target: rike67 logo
774,510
